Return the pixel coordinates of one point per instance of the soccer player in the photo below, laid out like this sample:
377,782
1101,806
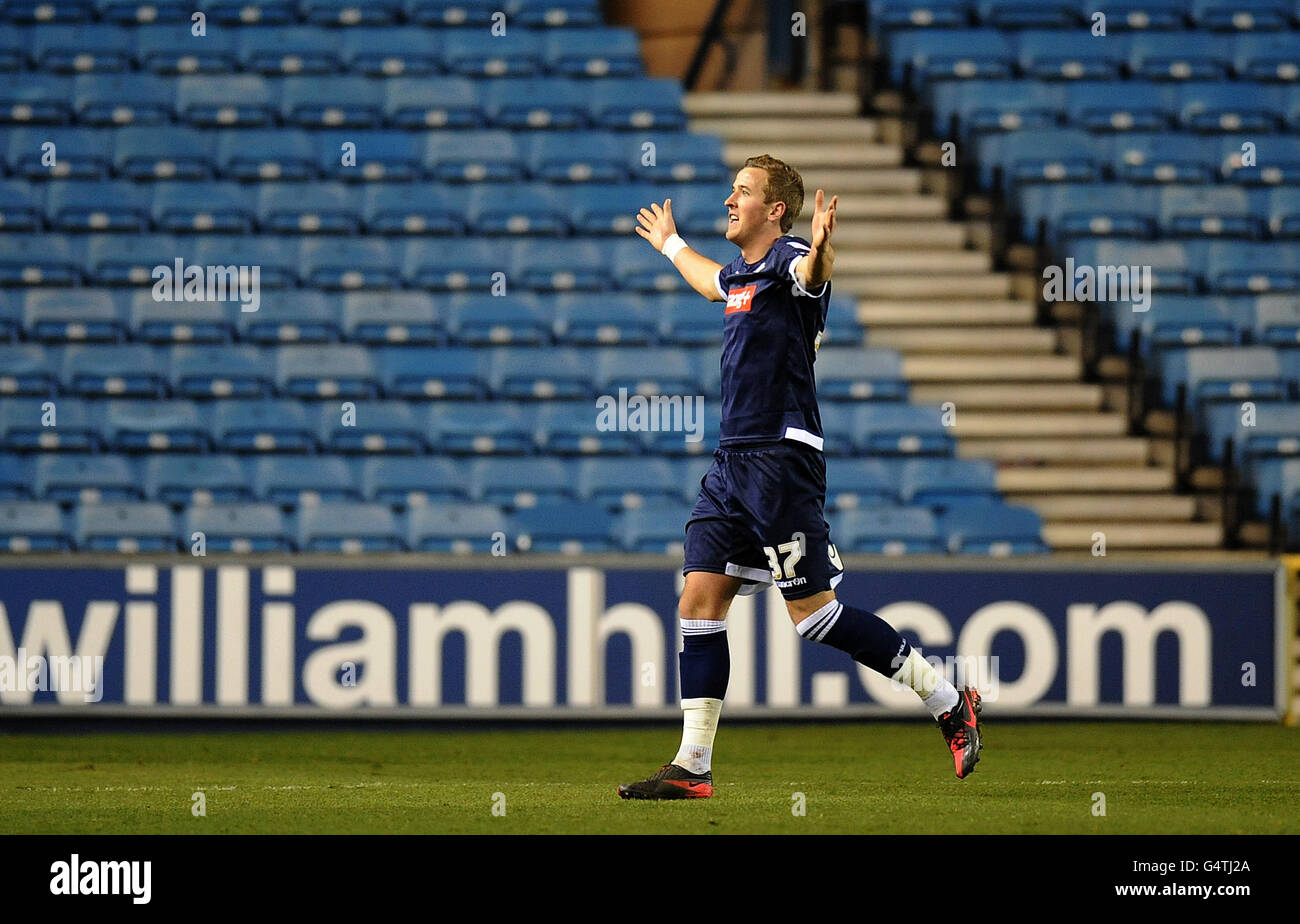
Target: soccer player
759,518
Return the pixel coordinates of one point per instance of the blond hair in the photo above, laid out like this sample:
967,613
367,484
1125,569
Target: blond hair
784,184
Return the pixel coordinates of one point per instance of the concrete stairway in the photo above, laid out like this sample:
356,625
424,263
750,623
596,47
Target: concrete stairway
968,333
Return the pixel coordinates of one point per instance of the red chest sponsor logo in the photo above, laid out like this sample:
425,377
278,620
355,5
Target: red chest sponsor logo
741,299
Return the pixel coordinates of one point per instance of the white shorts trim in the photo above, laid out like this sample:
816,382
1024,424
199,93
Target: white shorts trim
800,435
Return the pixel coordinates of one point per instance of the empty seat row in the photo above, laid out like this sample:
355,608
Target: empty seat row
1230,15
1177,320
986,528
356,102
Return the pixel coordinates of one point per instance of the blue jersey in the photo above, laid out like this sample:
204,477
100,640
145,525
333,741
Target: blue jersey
771,332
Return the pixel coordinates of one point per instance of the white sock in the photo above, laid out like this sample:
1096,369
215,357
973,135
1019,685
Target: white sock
935,691
699,725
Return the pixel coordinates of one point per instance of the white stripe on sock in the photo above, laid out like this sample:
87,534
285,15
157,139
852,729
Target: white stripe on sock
816,626
703,626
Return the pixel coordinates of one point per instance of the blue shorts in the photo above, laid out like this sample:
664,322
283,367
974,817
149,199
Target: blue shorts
759,518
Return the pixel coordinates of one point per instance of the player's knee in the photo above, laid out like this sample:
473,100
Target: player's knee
804,607
701,606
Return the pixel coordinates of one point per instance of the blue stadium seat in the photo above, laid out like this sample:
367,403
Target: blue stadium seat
1251,267
852,373
353,263
372,427
919,56
433,102
1277,320
697,207
993,528
326,371
10,315
413,482
553,14
570,529
36,424
349,528
391,52
479,320
457,528
206,208
372,156
560,265
74,205
1277,477
262,426
572,428
400,208
523,208
680,158
1207,211
468,264
901,14
290,50
1144,106
242,371
154,426
473,157
132,12
181,321
292,316
591,52
353,102
35,11
1057,155
445,372
1236,373
167,152
577,157
1277,157
1019,14
462,428
123,99
853,483
599,208
116,370
29,369
1162,157
1071,54
838,428
79,154
252,155
32,526
629,484
946,483
181,480
318,208
124,527
1233,15
39,100
592,319
887,531
1171,266
896,428
13,48
480,53
1269,429
654,529
350,13
251,12
239,528
79,49
1283,210
39,259
172,48
657,371
15,477
1177,320
303,481
1074,210
542,373
979,106
72,315
637,103
87,479
1218,106
225,100
1179,56
685,321
640,268
379,318
533,103
517,484
1266,56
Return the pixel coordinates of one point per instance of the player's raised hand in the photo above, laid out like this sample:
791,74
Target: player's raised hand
657,223
823,219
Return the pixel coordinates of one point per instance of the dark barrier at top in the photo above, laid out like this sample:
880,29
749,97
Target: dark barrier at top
358,640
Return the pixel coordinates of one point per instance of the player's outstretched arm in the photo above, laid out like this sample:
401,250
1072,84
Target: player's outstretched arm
816,266
657,227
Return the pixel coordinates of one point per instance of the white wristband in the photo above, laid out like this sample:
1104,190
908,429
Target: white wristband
672,247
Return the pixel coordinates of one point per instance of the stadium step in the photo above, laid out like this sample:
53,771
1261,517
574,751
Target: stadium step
1074,507
955,285
1101,451
990,368
882,312
884,207
765,130
1055,396
1084,478
815,154
943,262
989,424
931,235
727,104
964,339
895,180
1120,535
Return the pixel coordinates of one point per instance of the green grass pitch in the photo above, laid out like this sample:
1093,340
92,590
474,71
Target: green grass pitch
855,778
